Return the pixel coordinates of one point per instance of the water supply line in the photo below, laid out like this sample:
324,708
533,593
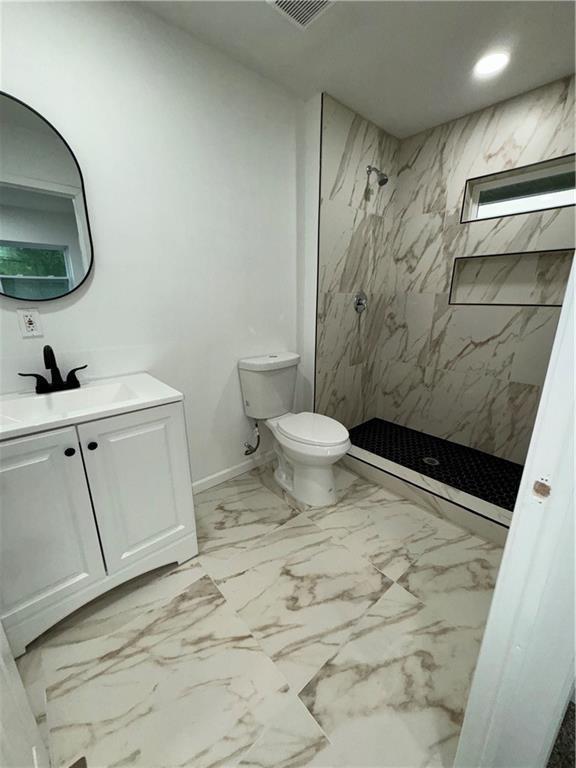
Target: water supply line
250,449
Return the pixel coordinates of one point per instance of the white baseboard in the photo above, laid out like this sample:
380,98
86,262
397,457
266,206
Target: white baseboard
231,472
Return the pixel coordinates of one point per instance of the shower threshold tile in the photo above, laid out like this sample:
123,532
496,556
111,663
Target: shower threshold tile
475,473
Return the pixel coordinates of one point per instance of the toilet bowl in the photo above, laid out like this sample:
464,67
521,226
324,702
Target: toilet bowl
307,445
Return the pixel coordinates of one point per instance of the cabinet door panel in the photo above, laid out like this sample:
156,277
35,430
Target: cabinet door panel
140,482
48,538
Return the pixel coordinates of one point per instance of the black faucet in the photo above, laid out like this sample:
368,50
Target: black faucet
57,383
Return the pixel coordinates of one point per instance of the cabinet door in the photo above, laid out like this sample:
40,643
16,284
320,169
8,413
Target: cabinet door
137,466
49,544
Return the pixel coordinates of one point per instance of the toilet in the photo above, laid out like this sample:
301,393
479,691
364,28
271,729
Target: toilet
307,445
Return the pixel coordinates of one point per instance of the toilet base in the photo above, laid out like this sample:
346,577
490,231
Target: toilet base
306,471
283,473
313,486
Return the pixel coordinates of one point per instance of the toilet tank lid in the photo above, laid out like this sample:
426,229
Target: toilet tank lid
269,362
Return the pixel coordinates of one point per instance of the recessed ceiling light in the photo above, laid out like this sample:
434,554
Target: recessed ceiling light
491,64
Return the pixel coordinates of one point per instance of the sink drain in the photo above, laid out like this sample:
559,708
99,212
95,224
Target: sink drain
431,461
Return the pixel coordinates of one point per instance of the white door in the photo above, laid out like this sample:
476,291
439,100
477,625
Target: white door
21,745
138,471
49,544
525,671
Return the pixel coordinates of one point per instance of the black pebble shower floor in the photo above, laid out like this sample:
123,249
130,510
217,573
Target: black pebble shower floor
475,472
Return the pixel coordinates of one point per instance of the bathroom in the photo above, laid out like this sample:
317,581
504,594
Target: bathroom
245,593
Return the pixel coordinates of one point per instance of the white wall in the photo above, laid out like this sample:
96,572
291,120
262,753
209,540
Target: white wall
189,165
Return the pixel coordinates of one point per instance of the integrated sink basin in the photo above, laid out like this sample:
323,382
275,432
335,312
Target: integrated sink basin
21,414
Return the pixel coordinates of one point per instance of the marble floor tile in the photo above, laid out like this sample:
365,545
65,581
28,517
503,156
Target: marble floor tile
342,637
123,604
389,531
298,537
184,685
291,740
233,516
394,695
103,615
301,593
457,579
351,510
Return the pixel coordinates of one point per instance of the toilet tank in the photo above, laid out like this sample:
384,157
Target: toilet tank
268,384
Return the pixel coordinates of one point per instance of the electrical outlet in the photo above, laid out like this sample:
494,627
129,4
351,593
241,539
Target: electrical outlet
29,322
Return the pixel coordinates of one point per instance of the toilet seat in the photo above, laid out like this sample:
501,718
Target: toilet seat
312,429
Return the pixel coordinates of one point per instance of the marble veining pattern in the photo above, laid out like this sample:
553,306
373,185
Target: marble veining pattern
523,278
412,352
337,637
398,688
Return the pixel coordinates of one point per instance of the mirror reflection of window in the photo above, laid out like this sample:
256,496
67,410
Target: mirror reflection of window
34,272
45,249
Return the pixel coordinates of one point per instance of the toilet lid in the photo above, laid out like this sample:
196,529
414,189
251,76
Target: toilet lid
313,428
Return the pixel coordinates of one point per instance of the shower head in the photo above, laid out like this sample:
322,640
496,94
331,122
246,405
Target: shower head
381,177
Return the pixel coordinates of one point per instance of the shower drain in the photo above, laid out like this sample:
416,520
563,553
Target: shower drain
431,461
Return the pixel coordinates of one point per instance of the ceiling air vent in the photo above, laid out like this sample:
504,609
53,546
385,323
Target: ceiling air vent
301,12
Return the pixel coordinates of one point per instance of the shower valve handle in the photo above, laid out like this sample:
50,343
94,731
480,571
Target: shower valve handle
360,302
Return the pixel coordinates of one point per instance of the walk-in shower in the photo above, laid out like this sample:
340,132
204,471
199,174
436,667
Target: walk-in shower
433,333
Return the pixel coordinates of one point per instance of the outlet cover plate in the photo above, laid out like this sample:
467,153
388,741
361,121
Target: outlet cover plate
29,322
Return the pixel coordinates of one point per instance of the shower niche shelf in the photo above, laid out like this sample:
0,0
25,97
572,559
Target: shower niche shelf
531,279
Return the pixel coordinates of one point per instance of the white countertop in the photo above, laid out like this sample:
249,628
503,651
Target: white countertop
24,414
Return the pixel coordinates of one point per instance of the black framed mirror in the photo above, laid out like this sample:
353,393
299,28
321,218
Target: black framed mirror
46,247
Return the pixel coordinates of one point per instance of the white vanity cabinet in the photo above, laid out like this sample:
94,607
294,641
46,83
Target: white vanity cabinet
48,540
137,468
87,507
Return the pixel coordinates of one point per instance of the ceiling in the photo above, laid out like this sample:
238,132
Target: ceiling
405,65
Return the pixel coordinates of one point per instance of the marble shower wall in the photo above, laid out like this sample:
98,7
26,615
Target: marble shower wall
521,279
471,374
355,233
